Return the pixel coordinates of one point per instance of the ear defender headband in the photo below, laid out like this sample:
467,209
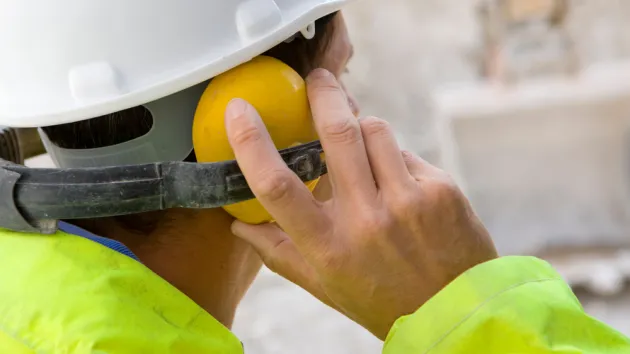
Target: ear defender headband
33,200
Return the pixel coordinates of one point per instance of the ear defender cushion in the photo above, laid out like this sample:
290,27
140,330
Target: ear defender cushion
279,95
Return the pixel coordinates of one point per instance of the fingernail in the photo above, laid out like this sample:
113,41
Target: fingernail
236,108
317,74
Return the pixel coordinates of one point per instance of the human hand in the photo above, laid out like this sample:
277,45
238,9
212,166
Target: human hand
396,231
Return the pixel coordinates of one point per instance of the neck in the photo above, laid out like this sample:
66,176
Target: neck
195,252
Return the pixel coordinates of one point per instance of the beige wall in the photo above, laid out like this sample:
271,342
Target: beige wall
405,49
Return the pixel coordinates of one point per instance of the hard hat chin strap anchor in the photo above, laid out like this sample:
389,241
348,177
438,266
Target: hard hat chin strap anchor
33,200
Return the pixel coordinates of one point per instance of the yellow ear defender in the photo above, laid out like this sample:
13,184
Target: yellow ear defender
279,95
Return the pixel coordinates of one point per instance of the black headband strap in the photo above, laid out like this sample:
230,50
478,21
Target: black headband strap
32,200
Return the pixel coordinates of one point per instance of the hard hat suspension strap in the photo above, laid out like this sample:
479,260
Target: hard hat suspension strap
34,199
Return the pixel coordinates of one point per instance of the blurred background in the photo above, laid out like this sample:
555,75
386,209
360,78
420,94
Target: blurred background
527,104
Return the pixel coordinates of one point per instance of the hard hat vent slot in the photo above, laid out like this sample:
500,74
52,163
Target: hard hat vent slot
108,130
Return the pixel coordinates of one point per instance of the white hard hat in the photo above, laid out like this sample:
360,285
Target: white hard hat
64,61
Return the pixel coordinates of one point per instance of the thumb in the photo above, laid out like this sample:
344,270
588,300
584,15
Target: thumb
281,256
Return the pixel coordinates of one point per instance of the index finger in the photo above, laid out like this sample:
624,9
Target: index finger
342,139
275,186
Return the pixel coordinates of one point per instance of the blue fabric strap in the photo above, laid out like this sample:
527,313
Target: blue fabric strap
107,242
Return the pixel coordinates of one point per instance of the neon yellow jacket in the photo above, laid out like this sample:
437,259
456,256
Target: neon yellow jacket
66,294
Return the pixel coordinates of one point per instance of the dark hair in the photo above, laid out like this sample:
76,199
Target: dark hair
300,54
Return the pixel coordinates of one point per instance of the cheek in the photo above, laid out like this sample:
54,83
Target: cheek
335,65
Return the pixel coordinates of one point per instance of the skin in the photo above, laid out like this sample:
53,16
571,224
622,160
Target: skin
391,232
214,269
395,232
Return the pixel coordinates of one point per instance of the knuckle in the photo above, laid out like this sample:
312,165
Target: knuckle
445,188
409,157
246,134
271,258
343,131
374,126
447,182
406,205
274,185
417,166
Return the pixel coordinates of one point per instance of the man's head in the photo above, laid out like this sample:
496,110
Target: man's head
118,82
330,49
